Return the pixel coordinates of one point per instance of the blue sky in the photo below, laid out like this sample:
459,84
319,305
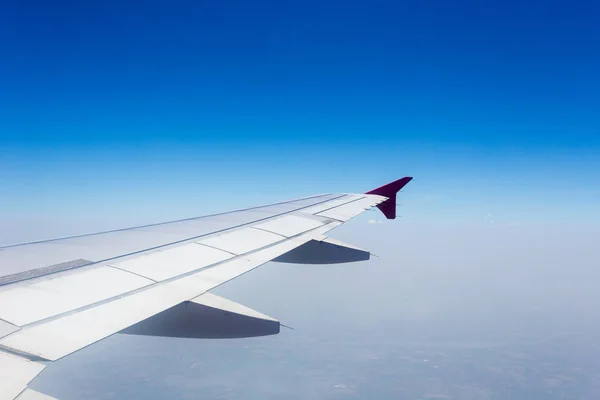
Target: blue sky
166,110
116,113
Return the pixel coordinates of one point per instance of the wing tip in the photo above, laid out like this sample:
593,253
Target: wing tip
389,190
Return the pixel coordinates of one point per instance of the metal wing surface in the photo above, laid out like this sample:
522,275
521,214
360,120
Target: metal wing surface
59,296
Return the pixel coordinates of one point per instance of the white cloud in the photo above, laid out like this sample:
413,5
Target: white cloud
375,221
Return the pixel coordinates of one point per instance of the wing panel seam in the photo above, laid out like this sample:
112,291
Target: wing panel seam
171,222
133,273
172,279
216,248
339,205
167,244
268,231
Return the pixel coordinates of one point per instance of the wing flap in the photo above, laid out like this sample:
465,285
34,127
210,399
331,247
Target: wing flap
242,241
59,337
15,373
290,225
169,263
55,338
6,328
45,297
318,208
350,210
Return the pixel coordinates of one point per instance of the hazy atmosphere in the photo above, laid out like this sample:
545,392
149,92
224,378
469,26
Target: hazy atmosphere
446,311
116,114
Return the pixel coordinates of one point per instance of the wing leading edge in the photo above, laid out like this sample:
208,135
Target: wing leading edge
161,288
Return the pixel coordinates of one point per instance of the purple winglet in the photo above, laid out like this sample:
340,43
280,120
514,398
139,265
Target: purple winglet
388,207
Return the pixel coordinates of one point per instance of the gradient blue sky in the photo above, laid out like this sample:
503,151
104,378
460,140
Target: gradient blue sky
114,113
154,110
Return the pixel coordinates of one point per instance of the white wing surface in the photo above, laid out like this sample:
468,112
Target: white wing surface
58,296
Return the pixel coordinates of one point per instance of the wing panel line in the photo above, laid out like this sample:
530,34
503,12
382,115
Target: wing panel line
163,245
339,205
178,220
216,248
132,273
266,230
111,299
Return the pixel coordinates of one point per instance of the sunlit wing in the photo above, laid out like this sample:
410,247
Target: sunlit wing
59,296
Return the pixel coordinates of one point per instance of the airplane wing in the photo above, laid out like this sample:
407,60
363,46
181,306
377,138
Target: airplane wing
59,296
